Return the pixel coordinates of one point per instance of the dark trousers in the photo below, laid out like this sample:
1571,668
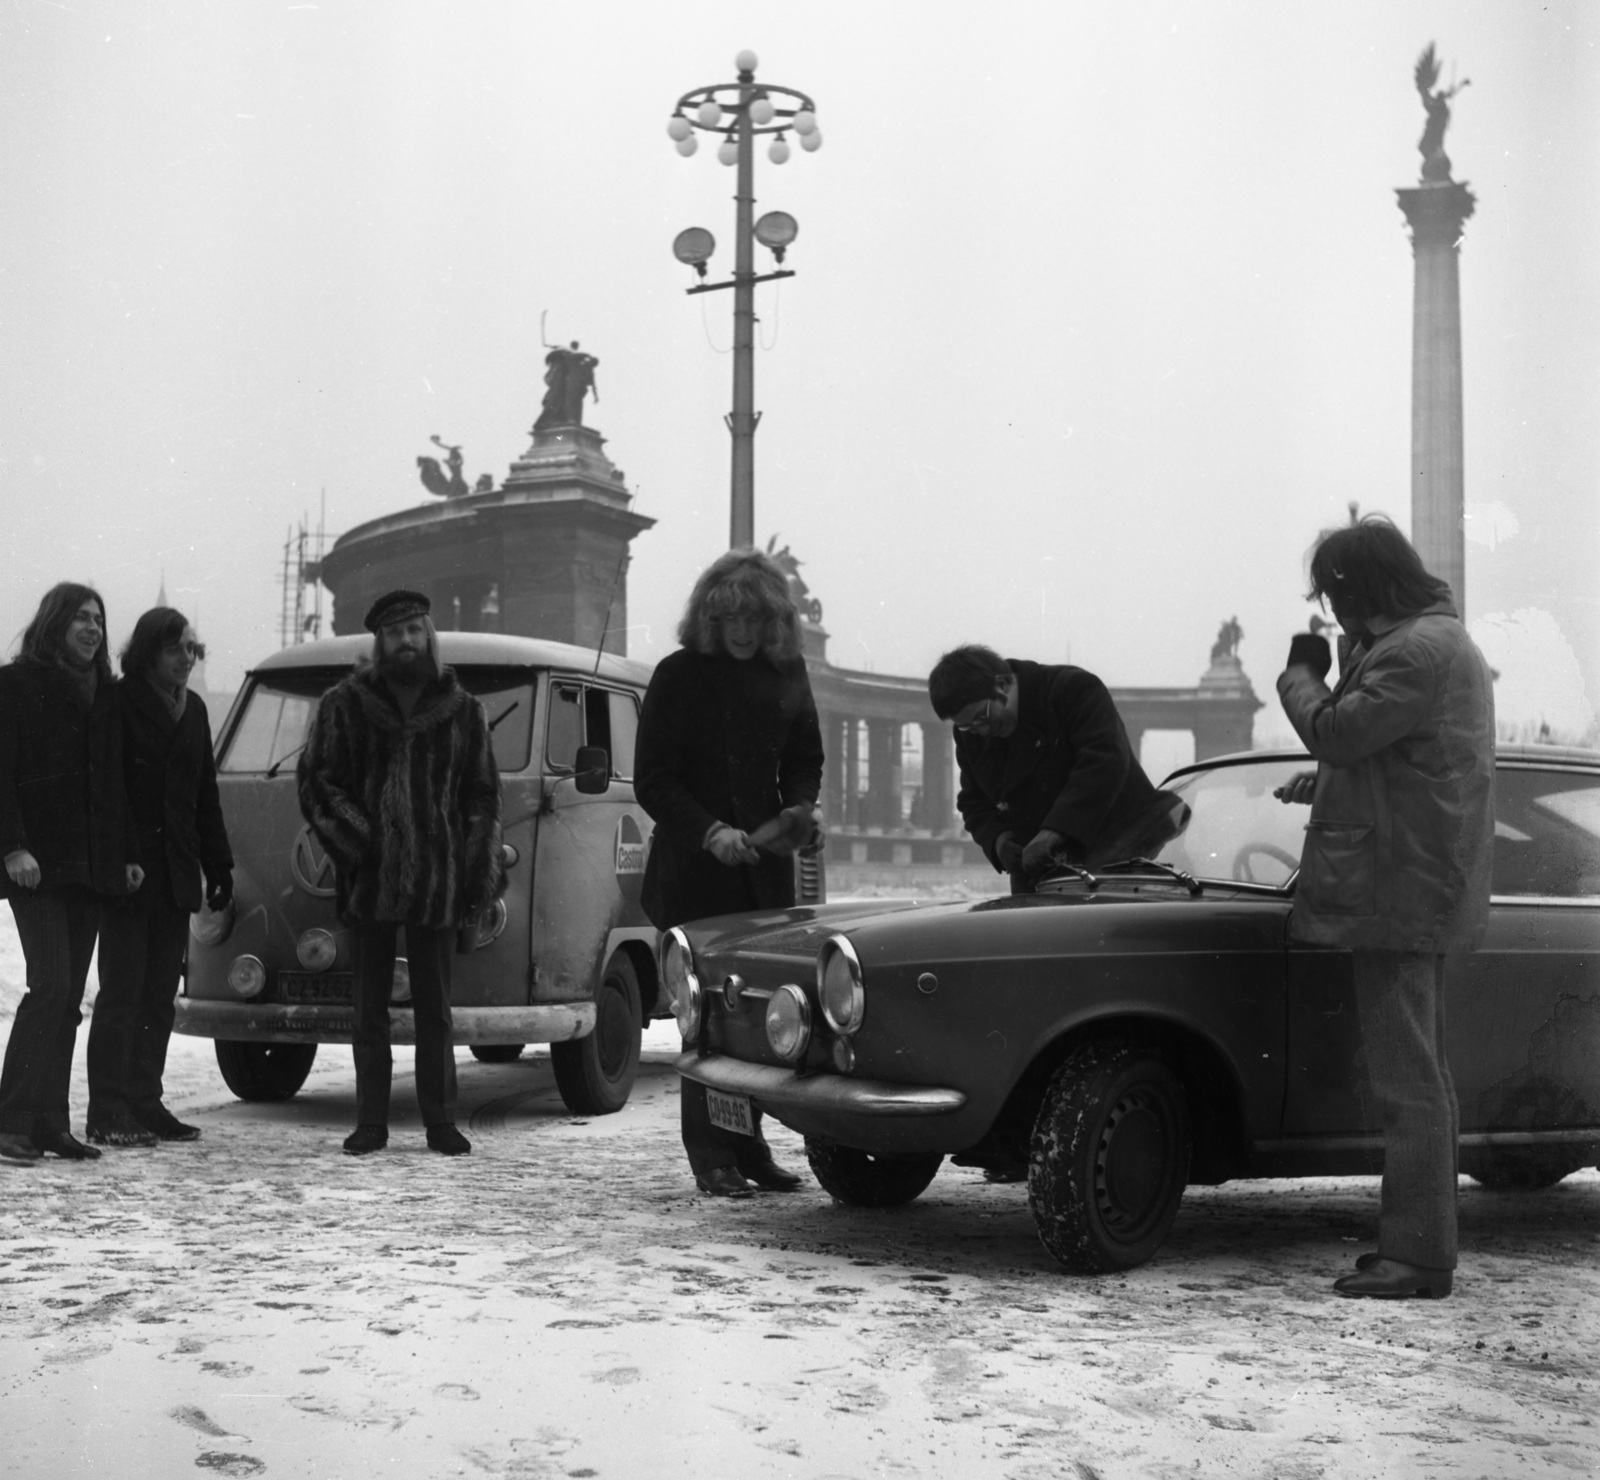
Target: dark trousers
429,954
57,928
709,1146
142,942
1400,999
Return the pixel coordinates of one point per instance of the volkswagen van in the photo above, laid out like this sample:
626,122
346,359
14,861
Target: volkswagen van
564,957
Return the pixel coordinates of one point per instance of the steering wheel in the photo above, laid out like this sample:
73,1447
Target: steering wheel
1241,860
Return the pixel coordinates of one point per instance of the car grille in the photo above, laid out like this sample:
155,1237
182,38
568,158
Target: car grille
322,986
808,876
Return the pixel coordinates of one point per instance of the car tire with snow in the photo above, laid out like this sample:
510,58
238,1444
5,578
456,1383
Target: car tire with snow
265,1072
1523,1168
595,1074
861,1180
1109,1157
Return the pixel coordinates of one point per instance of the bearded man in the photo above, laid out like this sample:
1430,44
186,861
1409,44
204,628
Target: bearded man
398,780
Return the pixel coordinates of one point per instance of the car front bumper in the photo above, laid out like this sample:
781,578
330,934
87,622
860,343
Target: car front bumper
274,1022
831,1095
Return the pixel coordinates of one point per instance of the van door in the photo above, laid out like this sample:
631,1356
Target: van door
590,850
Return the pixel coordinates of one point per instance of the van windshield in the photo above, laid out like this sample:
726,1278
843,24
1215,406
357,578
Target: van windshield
276,718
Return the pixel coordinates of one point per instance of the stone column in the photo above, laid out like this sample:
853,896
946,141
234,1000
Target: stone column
1436,213
850,808
883,773
938,752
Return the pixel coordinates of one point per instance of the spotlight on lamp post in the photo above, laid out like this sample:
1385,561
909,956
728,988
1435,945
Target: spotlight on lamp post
738,111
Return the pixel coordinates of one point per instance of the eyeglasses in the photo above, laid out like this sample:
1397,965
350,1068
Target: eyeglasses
981,718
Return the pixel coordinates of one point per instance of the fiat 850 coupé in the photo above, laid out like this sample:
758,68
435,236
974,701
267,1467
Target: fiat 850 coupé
1125,1033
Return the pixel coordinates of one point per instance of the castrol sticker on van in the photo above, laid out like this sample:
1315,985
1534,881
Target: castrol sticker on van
310,864
630,847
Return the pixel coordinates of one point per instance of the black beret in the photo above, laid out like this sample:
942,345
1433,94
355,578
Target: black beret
397,606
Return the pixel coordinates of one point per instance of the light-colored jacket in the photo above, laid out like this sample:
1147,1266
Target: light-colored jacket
1400,843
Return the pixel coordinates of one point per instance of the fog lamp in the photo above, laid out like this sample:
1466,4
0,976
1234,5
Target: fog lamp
400,988
788,1022
210,927
839,985
677,970
844,1055
247,976
316,949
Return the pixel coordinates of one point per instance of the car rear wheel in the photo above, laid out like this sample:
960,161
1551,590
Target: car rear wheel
1109,1158
595,1074
497,1053
1523,1168
265,1072
862,1180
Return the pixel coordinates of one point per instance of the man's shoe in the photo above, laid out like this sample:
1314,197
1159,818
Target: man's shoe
723,1182
1389,1279
120,1132
1366,1261
165,1126
770,1177
66,1145
365,1138
447,1140
17,1148
1016,1172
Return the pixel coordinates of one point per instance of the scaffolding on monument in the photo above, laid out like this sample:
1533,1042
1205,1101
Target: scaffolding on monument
300,604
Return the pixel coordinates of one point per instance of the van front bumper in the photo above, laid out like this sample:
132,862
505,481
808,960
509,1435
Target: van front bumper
275,1022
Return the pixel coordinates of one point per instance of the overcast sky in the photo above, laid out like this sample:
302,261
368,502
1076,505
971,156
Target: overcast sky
1102,310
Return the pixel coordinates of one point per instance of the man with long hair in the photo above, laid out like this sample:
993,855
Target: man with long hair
729,765
177,813
398,780
67,838
1397,860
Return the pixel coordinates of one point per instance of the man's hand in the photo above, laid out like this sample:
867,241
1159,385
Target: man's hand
1037,854
1009,852
134,876
1298,788
23,869
219,890
730,846
1310,650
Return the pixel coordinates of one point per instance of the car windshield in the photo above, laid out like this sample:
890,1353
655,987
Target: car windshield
1237,830
276,719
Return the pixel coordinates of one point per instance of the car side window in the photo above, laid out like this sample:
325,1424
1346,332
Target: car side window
564,734
1546,834
624,732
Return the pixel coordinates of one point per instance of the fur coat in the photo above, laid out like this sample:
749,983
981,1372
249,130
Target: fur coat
408,808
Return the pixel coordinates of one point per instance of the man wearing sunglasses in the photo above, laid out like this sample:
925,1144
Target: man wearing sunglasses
1047,773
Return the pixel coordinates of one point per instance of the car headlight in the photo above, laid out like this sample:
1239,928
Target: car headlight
316,949
677,971
488,924
210,927
840,988
247,976
788,1022
400,986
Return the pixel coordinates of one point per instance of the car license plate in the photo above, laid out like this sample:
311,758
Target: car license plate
730,1112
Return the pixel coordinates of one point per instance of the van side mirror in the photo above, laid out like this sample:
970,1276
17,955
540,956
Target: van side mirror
593,768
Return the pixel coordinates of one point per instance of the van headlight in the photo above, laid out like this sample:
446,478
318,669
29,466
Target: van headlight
488,925
789,1022
400,983
840,988
210,927
683,986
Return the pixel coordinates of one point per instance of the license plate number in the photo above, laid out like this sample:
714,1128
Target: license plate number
730,1112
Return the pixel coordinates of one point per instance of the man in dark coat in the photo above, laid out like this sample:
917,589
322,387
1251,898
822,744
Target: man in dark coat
1046,768
67,839
172,790
728,741
398,780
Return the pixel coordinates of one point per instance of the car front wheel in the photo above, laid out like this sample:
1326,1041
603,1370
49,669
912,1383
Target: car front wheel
265,1072
595,1074
862,1180
1109,1158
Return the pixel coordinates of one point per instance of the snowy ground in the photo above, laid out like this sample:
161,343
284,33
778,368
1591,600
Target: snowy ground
560,1303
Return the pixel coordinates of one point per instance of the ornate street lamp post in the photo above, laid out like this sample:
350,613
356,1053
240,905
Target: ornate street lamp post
739,111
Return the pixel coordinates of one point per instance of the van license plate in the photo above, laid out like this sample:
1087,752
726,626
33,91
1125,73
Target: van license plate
730,1112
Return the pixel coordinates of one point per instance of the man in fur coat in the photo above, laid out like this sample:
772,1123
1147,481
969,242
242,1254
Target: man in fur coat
398,780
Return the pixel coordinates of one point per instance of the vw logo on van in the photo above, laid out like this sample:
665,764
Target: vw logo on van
310,864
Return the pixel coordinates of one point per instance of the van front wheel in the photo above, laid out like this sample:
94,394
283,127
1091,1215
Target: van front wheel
265,1072
595,1074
